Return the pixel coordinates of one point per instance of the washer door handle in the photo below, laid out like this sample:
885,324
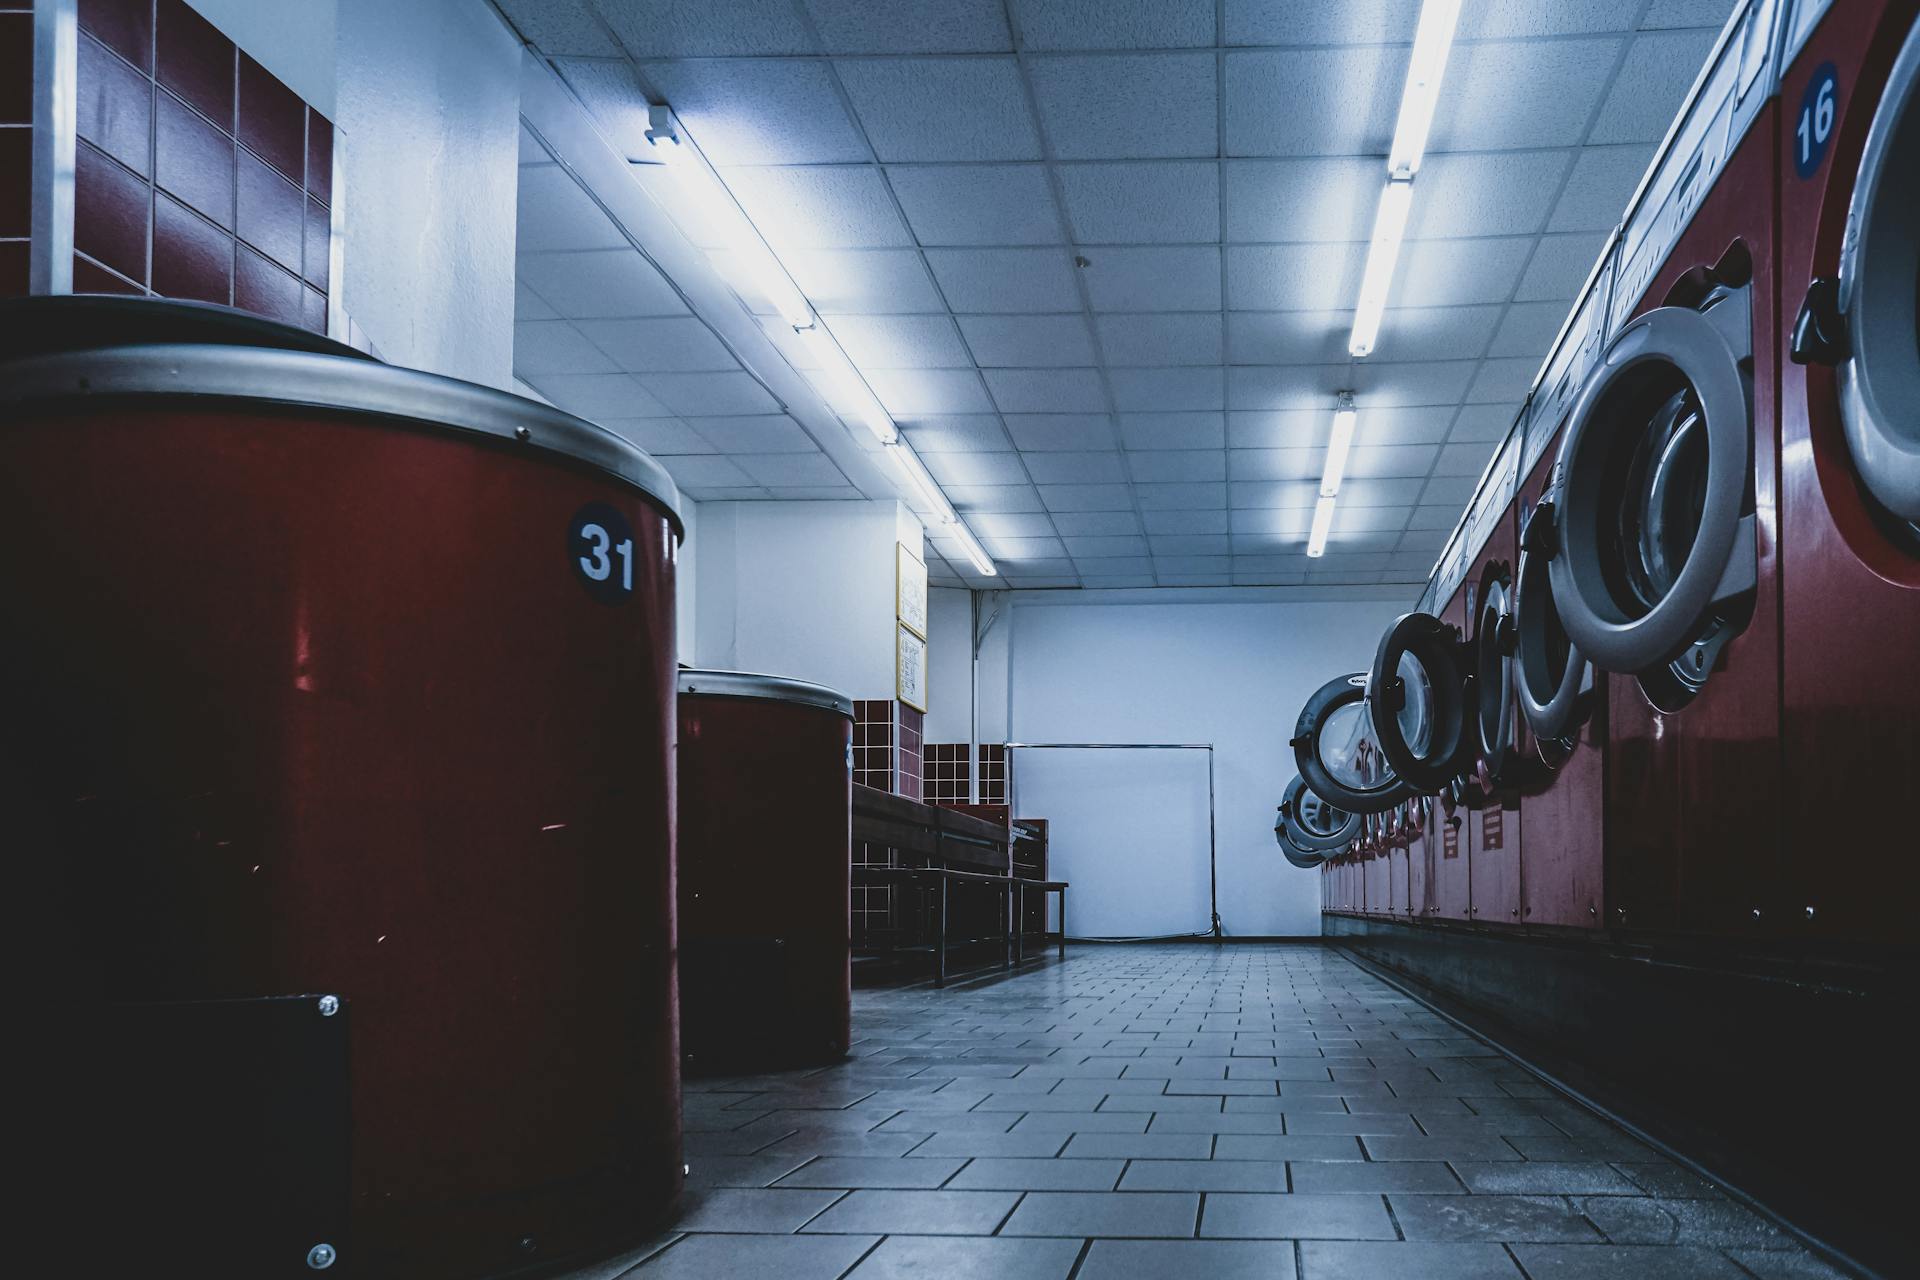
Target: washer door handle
1820,330
1541,535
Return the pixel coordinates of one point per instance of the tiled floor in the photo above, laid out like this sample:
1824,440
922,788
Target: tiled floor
1181,1111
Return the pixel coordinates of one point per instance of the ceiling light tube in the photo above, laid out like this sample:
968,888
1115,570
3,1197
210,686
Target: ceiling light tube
845,389
1343,422
971,545
715,209
908,464
1432,41
1389,228
1322,525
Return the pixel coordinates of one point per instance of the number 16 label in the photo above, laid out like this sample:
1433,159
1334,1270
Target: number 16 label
600,547
1814,129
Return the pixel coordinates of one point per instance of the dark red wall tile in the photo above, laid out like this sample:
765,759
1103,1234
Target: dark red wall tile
192,258
264,289
320,157
272,212
16,68
113,105
124,26
91,277
319,238
14,271
193,160
272,120
313,310
16,182
110,210
194,60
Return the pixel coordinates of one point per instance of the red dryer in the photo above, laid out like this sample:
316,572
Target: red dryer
1849,269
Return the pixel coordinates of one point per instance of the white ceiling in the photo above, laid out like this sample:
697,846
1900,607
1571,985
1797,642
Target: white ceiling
1098,257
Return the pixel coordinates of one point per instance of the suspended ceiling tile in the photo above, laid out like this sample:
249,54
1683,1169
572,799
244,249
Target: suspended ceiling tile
1319,198
1279,429
759,110
1182,278
1085,497
911,108
613,95
1028,341
814,468
900,342
1180,496
1026,549
911,26
1503,381
1185,339
756,433
1272,495
1127,106
1510,95
554,213
1526,19
1189,544
909,392
599,284
1528,329
992,204
864,281
708,29
1181,565
1560,265
555,346
1320,22
1468,459
1003,498
668,344
1112,566
561,27
1036,432
1400,493
1164,390
1047,25
1320,337
1077,468
1144,202
1478,422
1597,191
528,305
1275,464
1293,277
1337,101
703,471
600,395
1653,82
977,468
1447,273
1005,280
1092,523
819,206
957,433
1046,390
1177,465
1190,520
661,435
1172,430
1498,193
1086,548
1114,582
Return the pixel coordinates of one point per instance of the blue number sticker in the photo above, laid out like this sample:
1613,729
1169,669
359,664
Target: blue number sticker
1814,129
600,548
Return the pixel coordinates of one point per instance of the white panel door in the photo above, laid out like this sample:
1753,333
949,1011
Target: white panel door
1129,829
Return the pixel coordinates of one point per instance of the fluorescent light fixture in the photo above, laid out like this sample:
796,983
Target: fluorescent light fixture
1322,524
1343,422
1389,228
714,208
845,388
975,552
908,464
1431,43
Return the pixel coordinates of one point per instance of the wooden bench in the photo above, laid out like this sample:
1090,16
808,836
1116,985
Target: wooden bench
959,849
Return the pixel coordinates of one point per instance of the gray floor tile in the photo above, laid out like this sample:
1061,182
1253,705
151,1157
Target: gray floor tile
1543,1177
1030,1144
1403,1260
1390,1147
993,1174
777,1210
1296,1217
932,1213
1328,1146
756,1258
1664,1179
740,1171
1360,1125
1215,1122
1162,1102
1716,1222
1785,1264
1592,1147
1109,1213
1141,1146
947,1122
948,1258
874,1171
1506,1218
1376,1177
850,1144
1195,1259
1624,1262
1205,1175
1082,1122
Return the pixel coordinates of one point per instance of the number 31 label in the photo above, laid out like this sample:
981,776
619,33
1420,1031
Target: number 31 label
1815,127
600,547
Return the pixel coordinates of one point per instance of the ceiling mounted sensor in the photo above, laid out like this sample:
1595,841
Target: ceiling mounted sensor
1337,753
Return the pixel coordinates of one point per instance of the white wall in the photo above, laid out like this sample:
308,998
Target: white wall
294,39
801,589
949,664
1230,674
686,585
428,108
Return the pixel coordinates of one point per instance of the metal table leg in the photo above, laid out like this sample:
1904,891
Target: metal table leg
940,938
1063,924
1019,891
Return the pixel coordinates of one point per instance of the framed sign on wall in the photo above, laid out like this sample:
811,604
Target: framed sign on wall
910,590
910,668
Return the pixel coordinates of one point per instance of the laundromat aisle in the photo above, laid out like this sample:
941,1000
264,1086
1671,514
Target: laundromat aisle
1182,1110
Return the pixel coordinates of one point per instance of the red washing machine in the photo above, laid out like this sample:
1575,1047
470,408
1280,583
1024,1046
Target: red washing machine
1667,569
1561,699
1849,271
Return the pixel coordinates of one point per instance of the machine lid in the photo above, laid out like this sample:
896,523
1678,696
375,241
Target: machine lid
238,359
1310,827
1879,382
1419,696
1657,558
1549,672
1336,751
746,684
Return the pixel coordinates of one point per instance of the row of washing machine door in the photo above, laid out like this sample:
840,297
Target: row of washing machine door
1712,576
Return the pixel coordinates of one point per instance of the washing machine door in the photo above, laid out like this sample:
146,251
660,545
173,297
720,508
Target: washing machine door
1309,829
1551,676
1504,764
1419,694
1657,559
1865,323
1337,753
